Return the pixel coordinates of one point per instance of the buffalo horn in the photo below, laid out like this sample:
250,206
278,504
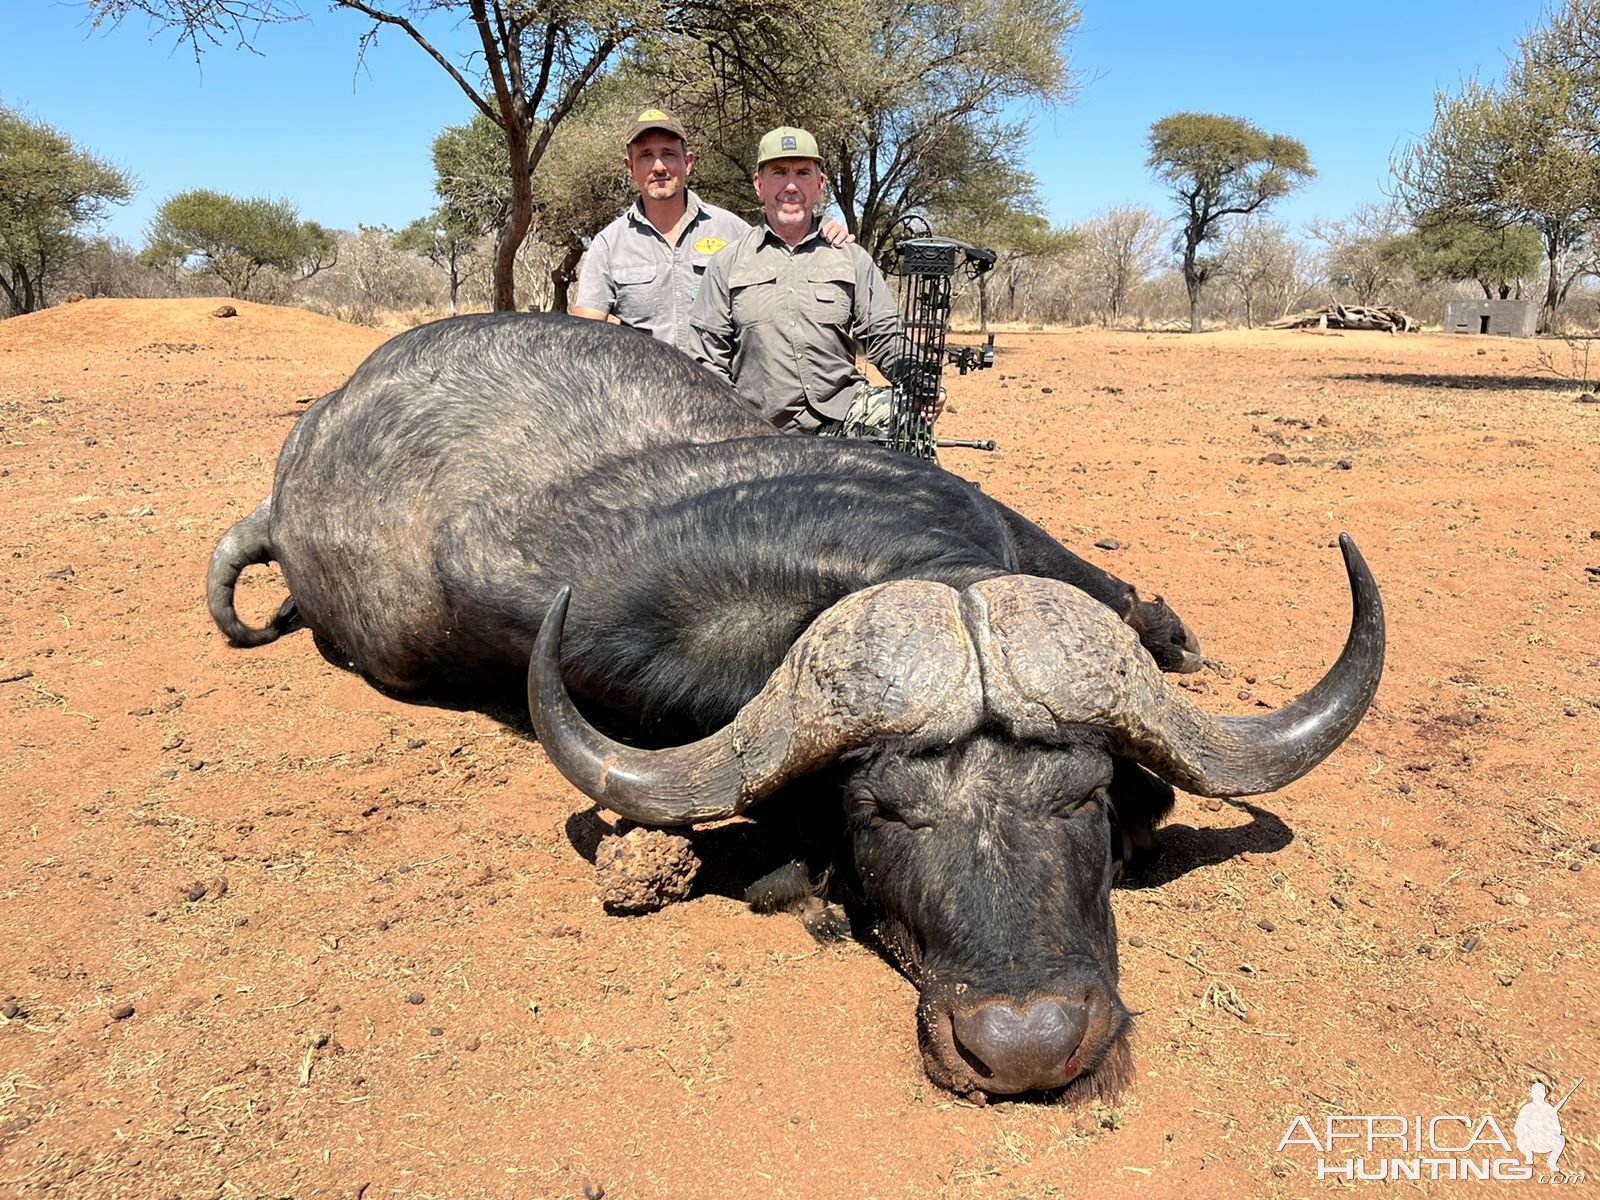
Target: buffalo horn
1053,658
889,663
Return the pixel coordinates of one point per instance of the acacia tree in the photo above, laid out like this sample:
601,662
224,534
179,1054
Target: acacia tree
447,244
1525,151
532,61
235,239
50,191
999,211
580,187
1120,248
927,87
1219,167
909,100
583,186
1497,259
1494,159
1354,258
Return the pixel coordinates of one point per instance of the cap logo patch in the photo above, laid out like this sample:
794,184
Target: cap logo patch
790,142
653,114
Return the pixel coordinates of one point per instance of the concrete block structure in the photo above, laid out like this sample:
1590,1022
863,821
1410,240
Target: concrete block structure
1508,318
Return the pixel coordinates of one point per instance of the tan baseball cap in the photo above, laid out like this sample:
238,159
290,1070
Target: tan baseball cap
653,118
787,141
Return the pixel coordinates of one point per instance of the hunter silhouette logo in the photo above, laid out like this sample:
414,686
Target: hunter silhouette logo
1391,1148
1538,1127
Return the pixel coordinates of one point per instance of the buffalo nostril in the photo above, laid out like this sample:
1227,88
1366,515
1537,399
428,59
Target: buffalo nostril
1023,1049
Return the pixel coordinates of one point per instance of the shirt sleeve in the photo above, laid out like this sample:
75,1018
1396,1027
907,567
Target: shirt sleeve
878,325
711,319
596,288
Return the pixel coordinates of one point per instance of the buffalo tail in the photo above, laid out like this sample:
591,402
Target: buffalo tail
246,545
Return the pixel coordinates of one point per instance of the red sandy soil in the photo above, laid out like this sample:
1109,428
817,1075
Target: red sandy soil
362,944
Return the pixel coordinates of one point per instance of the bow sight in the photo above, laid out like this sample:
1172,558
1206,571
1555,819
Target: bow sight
925,268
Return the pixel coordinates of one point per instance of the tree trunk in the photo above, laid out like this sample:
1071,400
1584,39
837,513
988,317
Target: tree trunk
509,241
563,275
1191,282
519,218
1552,292
983,303
20,301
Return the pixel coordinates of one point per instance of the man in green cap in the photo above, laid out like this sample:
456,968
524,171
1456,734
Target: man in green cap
782,314
644,268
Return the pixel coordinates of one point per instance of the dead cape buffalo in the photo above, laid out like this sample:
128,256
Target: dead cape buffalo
978,712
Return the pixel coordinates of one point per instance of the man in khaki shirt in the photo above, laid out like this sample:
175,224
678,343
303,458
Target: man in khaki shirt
644,268
781,314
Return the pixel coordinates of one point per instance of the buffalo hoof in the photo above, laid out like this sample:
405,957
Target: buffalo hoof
785,889
1163,633
790,889
827,923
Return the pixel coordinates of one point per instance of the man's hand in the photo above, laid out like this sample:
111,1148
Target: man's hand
836,234
918,380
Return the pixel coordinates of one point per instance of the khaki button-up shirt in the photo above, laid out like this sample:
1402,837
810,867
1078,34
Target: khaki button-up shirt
630,270
784,325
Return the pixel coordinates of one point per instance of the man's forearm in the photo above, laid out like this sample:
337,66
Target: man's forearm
889,350
713,352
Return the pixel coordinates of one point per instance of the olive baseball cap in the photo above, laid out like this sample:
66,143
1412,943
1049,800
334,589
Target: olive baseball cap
786,141
653,118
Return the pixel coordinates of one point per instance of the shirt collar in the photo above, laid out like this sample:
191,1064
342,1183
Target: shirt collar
771,234
637,215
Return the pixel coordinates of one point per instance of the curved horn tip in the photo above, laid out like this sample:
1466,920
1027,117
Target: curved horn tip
547,642
1353,560
1362,584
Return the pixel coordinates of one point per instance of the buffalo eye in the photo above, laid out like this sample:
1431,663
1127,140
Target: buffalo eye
864,806
1091,807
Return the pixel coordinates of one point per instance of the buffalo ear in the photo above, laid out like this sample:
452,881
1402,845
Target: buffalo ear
1140,801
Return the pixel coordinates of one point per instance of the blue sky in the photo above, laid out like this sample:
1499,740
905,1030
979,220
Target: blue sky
350,145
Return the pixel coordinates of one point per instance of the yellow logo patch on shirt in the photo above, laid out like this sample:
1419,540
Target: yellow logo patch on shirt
710,245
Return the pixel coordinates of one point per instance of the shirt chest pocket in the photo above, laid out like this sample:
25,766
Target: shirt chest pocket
830,295
753,294
636,291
